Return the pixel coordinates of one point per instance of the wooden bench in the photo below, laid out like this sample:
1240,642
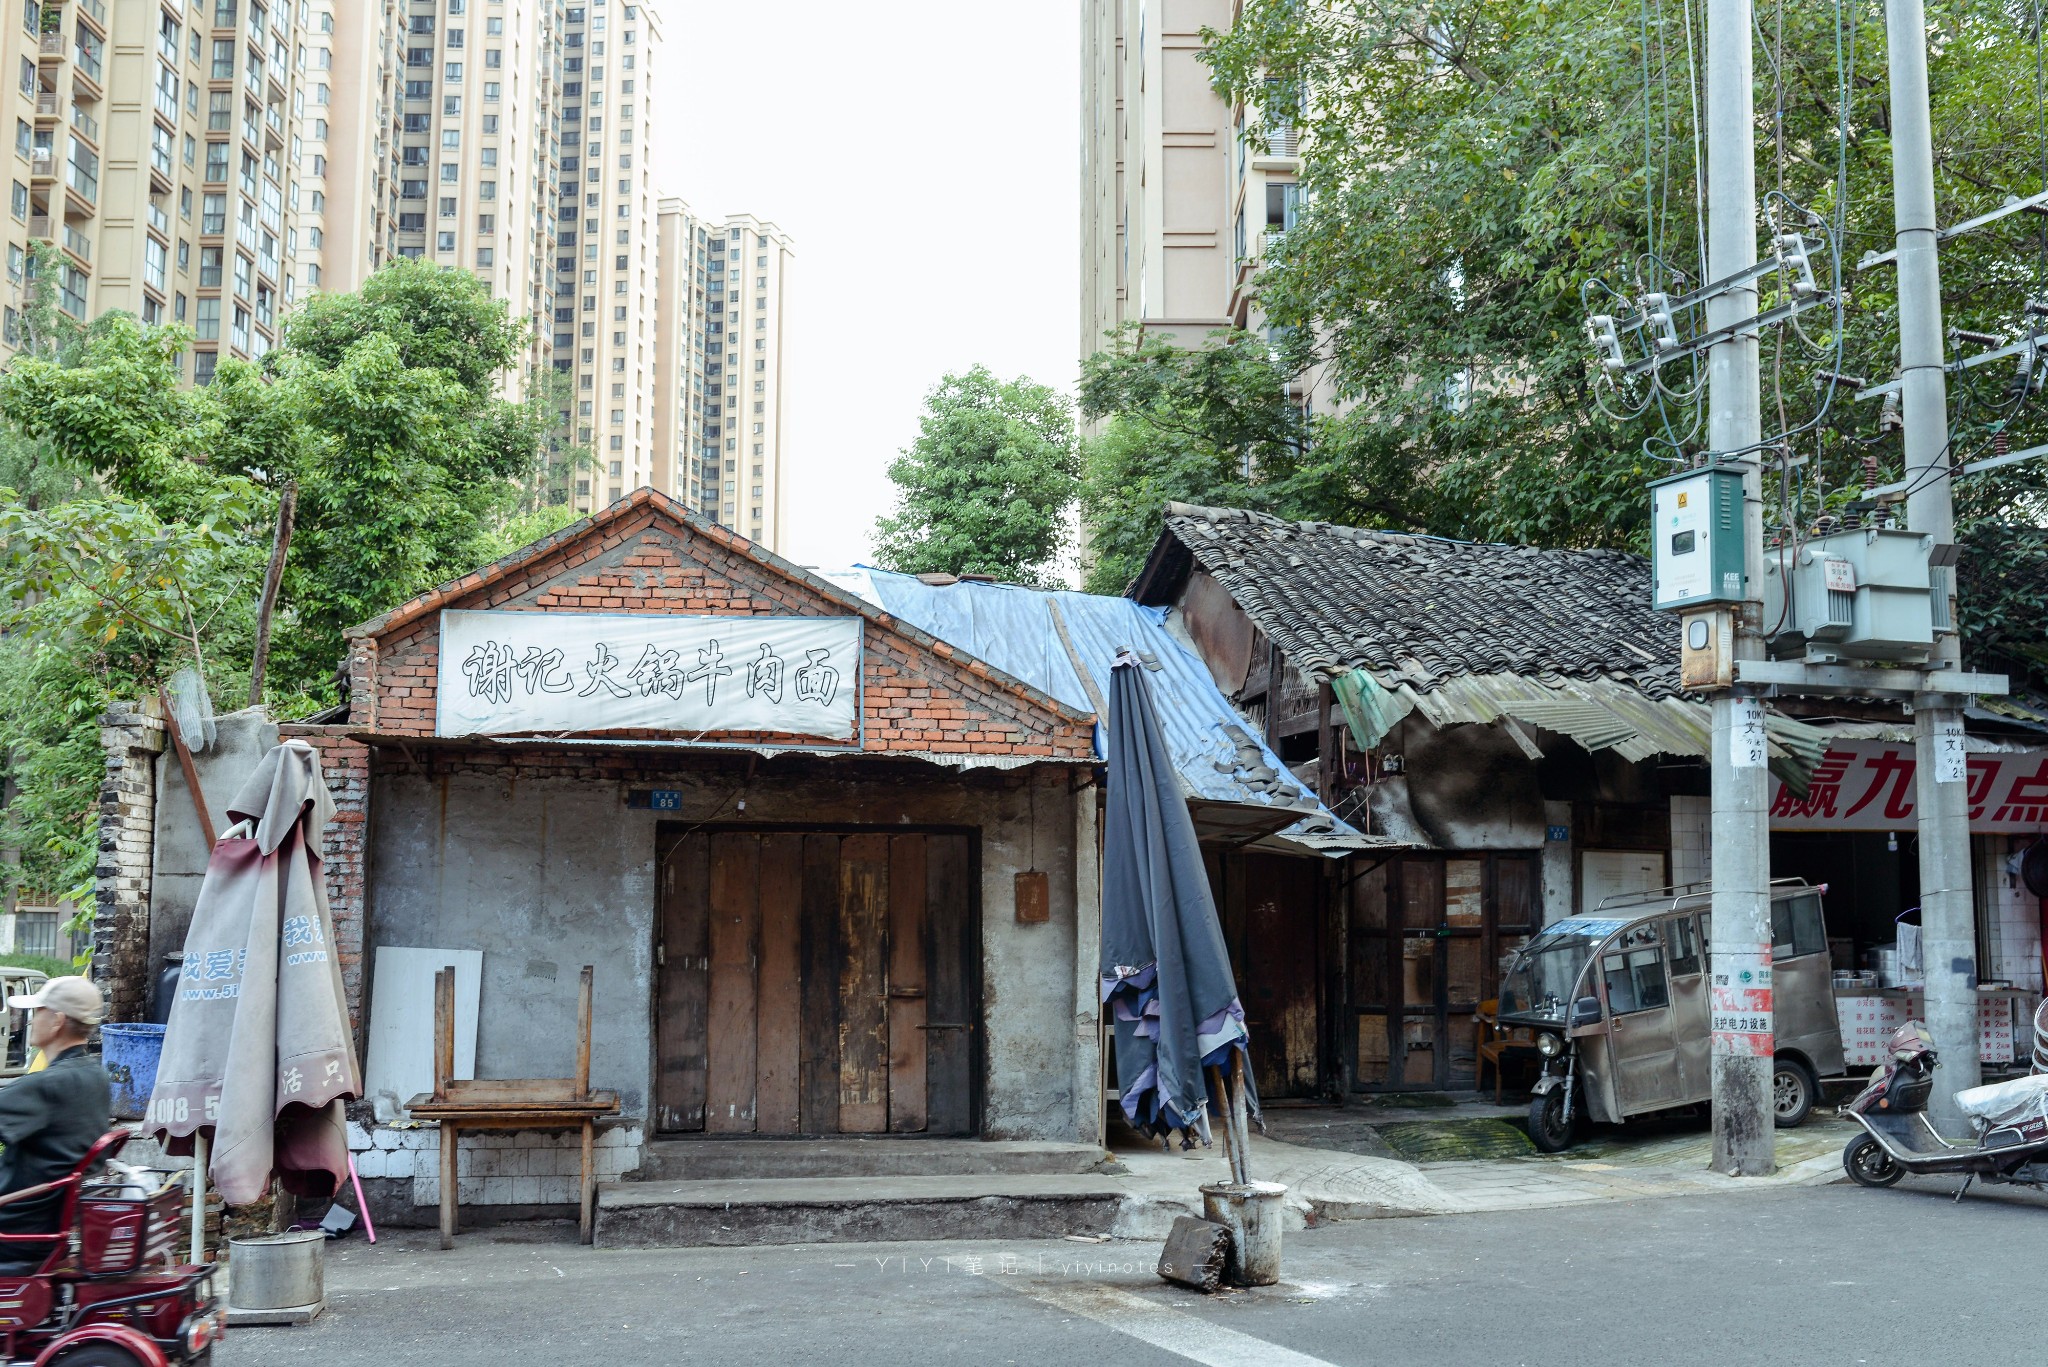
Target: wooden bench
510,1104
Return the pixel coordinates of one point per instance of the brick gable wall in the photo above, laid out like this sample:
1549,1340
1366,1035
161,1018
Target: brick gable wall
919,697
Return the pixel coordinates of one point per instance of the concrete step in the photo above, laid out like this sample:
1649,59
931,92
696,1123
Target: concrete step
817,1210
708,1160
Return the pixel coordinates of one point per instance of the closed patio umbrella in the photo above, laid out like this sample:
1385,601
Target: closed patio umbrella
1165,970
258,1055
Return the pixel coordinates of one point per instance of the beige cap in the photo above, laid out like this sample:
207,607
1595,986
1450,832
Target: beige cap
74,996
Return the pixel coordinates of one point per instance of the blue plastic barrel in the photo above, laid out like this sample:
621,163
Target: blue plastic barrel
130,1054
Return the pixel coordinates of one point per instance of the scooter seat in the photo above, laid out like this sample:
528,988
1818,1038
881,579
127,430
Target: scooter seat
2005,1102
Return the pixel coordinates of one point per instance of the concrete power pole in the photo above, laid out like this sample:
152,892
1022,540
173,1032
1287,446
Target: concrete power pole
1744,1129
1947,902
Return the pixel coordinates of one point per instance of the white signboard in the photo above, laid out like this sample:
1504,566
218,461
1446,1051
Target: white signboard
1749,745
521,673
1951,764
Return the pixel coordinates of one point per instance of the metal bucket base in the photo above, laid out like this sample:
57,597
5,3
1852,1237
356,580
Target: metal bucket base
1253,1212
296,1314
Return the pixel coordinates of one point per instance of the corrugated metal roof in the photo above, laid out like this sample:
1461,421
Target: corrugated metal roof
1017,629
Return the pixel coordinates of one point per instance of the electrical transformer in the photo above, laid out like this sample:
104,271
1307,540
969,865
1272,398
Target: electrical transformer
1696,538
1856,595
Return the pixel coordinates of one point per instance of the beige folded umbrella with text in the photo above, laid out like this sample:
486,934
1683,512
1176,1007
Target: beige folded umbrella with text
259,1053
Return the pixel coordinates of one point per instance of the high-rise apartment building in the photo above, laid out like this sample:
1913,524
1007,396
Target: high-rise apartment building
209,162
1180,195
722,320
156,149
606,271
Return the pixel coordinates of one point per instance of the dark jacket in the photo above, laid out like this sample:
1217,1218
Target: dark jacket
47,1121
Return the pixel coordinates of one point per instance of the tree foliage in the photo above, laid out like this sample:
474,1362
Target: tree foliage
1470,170
134,536
985,487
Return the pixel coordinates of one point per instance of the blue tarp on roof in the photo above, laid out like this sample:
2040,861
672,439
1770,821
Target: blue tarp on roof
1219,758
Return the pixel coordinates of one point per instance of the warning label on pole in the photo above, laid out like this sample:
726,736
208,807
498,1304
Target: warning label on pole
1742,1003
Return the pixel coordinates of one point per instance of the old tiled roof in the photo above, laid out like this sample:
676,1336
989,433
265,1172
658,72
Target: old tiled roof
1422,611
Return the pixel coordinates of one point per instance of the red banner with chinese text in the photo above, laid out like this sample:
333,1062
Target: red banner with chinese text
1867,785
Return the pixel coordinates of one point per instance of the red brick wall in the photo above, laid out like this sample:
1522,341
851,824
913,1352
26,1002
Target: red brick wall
918,696
346,765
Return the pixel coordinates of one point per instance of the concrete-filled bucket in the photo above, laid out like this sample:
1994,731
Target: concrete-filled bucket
277,1272
1253,1213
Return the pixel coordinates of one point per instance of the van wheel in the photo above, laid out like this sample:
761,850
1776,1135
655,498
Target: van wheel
1548,1127
1868,1165
1793,1089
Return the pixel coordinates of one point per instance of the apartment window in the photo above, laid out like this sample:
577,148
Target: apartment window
213,214
216,162
412,156
490,125
209,266
450,173
487,190
203,363
223,59
494,27
451,137
241,275
220,113
451,72
185,202
486,223
451,106
494,59
485,256
490,156
28,87
207,321
447,206
240,335
444,242
455,38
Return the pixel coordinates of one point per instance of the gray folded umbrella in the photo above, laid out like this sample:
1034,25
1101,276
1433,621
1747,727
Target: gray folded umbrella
1165,970
258,1052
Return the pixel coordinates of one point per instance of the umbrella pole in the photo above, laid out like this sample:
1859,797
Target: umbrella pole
1231,1150
199,1147
1240,1120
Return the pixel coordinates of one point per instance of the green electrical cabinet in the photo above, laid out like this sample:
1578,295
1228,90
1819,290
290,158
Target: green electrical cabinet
1696,538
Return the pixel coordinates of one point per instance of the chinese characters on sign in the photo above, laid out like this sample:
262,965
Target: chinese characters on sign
513,673
1749,744
1949,759
1868,786
1742,1004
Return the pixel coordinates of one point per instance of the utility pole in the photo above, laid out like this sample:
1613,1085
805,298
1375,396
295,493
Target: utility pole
1745,1131
1947,903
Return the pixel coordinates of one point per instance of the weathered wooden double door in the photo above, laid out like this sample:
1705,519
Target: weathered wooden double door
816,982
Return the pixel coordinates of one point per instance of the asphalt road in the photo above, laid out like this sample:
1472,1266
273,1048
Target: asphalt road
1814,1275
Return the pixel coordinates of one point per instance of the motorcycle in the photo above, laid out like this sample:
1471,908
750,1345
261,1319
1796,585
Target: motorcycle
2010,1120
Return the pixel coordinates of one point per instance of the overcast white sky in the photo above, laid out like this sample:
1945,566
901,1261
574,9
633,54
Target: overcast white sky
924,154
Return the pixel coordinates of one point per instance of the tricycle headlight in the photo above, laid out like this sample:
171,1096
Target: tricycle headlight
1549,1045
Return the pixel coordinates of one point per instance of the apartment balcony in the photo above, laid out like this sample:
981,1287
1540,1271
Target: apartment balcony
42,165
85,125
47,105
50,48
1278,150
79,245
96,12
39,227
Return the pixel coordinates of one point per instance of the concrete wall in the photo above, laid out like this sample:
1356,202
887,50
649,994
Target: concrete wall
544,867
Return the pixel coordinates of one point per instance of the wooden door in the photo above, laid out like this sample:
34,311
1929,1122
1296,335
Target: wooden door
815,982
1427,935
1278,972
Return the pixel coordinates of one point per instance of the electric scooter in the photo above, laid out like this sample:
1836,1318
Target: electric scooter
2010,1120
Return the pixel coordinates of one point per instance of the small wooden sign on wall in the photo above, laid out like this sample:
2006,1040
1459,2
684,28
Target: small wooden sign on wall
1034,898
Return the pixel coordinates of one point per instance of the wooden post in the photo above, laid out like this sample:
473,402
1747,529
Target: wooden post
191,771
1231,1149
583,1035
449,1140
444,1031
587,1202
1240,1119
287,504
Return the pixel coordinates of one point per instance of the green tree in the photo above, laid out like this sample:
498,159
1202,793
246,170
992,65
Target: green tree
985,487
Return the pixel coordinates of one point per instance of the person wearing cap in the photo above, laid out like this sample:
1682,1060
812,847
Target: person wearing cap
49,1119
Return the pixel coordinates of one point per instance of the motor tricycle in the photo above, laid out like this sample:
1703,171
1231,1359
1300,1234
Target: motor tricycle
100,1290
2010,1120
1619,1006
